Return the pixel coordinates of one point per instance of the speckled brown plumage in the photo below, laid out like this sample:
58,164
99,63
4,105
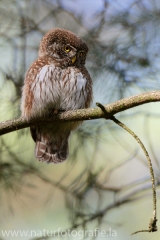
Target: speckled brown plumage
57,80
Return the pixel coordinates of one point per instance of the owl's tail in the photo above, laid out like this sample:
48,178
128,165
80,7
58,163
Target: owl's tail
51,155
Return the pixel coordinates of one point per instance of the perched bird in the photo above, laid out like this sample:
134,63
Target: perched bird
56,81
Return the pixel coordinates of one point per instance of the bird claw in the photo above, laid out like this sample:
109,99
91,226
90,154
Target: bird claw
55,111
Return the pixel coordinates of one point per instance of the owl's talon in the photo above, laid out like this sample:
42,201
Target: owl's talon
52,112
55,111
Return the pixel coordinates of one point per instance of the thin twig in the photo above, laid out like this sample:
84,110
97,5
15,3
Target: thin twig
152,225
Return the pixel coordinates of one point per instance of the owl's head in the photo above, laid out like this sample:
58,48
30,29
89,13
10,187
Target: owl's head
64,46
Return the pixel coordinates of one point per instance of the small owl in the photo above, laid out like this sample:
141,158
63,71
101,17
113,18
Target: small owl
57,81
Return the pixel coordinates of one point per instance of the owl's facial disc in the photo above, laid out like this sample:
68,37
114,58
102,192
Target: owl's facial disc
67,49
71,52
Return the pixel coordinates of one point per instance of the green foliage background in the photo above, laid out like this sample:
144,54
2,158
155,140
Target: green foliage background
105,182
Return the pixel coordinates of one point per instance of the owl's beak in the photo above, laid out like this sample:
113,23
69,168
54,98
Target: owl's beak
74,59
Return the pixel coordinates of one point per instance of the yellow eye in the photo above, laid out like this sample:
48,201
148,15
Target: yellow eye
67,49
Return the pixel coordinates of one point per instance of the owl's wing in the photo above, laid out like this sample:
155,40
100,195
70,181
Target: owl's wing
33,131
88,88
41,90
41,94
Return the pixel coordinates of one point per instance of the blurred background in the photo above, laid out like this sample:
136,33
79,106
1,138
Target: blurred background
105,183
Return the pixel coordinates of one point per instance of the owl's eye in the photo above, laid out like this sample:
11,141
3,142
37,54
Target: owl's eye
67,49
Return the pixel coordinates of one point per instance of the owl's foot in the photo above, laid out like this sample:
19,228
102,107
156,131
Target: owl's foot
53,112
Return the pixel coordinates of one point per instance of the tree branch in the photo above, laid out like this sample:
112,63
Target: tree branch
84,114
153,220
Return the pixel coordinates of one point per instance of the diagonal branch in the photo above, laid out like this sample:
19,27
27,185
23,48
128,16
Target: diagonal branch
153,220
84,114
